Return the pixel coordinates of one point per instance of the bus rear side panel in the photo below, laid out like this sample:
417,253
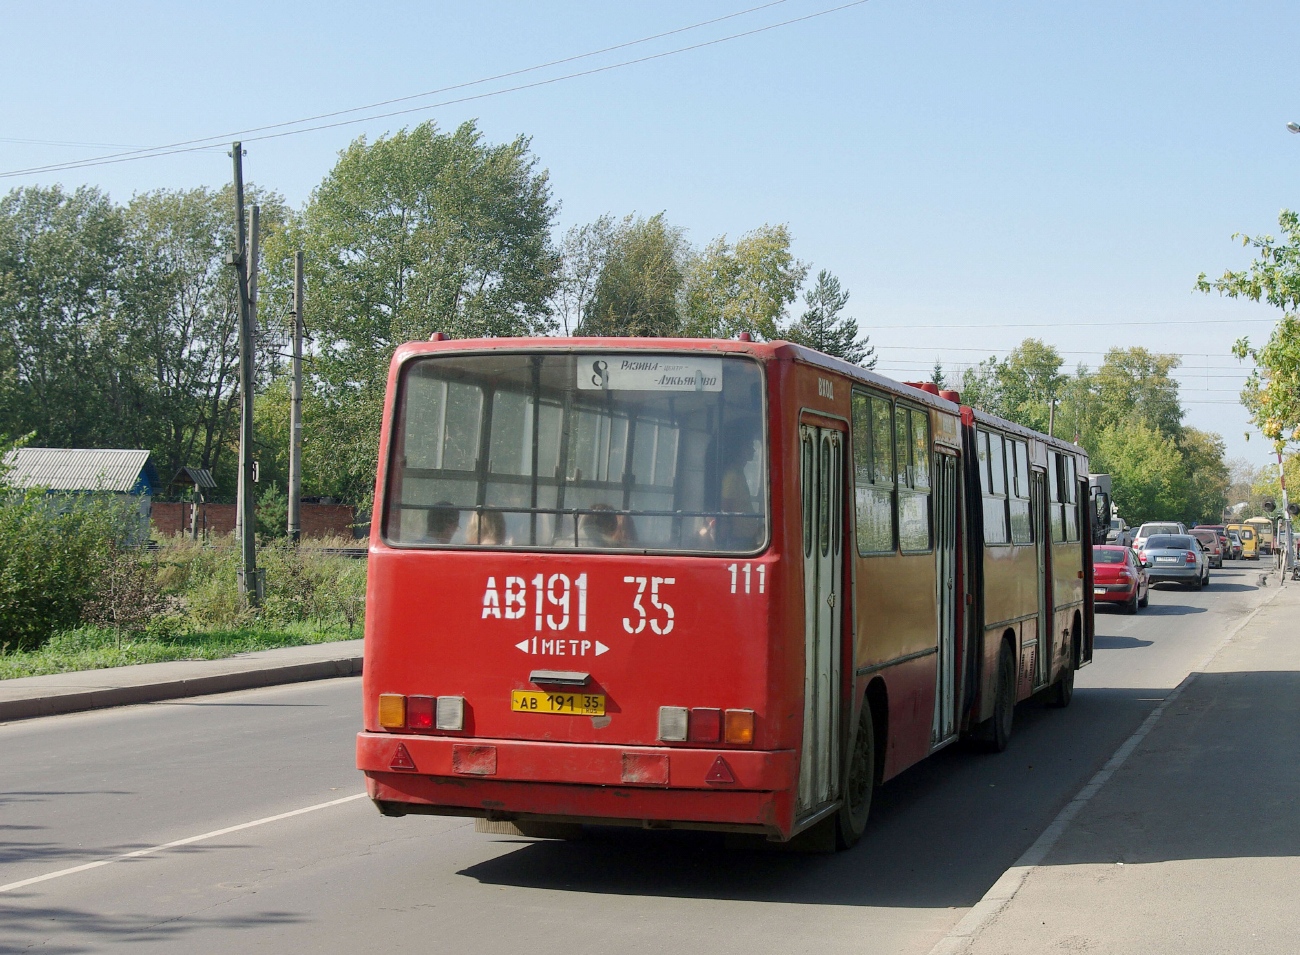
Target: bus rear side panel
579,683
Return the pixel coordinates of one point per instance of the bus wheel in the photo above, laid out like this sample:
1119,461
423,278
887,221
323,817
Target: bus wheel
1004,702
859,785
1062,691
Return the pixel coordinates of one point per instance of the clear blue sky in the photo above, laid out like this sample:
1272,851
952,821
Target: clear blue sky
1063,168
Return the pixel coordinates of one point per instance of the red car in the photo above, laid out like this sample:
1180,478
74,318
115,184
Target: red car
1119,577
1210,538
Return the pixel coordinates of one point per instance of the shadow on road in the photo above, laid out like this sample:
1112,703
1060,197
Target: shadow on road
1217,779
939,836
1171,610
1102,642
63,930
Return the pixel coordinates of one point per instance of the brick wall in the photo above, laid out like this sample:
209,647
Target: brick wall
318,520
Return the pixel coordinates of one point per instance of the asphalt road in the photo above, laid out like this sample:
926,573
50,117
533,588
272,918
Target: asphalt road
83,788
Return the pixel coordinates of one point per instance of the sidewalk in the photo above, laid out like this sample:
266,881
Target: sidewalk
1193,845
149,682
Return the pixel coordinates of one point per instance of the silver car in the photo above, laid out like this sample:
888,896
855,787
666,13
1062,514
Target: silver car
1175,559
1156,527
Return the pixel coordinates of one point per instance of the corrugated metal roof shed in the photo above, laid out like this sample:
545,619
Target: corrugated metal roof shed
199,477
77,469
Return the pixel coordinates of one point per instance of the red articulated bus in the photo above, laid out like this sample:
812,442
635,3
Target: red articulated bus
701,584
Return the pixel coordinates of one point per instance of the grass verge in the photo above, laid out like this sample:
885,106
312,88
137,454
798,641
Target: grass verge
92,648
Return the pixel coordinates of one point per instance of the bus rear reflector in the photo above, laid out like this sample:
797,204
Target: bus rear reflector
740,726
705,725
402,759
392,711
720,772
451,712
672,724
645,769
419,712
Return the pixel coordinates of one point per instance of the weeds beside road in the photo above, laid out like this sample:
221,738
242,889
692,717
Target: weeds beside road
177,601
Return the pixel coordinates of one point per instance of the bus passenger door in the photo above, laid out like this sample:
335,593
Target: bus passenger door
1042,558
945,557
821,492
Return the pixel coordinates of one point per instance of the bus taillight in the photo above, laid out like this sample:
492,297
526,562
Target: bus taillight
451,713
392,711
677,724
740,727
672,724
419,712
705,725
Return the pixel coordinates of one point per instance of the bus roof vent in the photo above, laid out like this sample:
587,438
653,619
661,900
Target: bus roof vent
438,337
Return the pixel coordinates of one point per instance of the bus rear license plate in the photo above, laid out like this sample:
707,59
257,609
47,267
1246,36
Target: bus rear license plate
1098,590
565,704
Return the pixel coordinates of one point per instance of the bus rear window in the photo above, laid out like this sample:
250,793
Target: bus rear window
594,451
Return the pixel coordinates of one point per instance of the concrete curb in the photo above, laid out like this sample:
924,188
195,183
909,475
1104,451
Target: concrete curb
103,697
961,937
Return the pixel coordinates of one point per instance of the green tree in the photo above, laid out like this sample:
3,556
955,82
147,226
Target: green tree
1206,473
1019,387
418,232
186,341
822,327
64,309
979,385
1272,392
742,288
583,254
639,282
1029,380
1149,481
1134,382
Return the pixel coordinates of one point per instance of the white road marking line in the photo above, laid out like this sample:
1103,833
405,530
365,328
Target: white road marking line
179,842
962,935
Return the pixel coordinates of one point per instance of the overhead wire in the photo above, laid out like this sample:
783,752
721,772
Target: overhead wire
191,145
435,92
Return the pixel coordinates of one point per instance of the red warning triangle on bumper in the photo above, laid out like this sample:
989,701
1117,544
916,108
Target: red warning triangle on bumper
720,772
401,758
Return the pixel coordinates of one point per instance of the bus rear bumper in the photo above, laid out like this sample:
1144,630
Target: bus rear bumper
518,779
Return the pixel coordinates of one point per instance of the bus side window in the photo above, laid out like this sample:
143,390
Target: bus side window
1056,482
1070,507
993,477
914,499
873,473
1022,526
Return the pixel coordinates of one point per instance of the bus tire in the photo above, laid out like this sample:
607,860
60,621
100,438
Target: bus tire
1062,691
859,783
1004,702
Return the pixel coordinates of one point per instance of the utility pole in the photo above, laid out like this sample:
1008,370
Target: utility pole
248,579
295,408
254,248
1051,418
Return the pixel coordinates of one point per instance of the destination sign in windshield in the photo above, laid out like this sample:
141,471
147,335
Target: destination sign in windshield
649,373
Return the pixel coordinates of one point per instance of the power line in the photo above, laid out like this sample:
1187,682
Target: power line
983,325
400,99
191,145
